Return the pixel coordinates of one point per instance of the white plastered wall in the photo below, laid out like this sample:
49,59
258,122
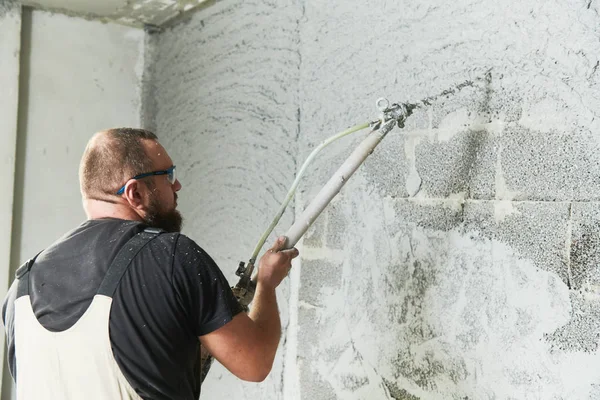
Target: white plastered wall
77,77
10,43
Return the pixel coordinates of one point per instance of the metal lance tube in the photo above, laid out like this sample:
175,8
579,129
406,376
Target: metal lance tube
335,183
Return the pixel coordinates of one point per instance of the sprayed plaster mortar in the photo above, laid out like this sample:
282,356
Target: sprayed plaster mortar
451,314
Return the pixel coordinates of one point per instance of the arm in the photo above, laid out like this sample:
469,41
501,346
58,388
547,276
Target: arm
247,345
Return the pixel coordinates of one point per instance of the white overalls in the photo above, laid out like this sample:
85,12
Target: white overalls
77,363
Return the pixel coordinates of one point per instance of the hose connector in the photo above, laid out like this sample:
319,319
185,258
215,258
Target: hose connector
398,112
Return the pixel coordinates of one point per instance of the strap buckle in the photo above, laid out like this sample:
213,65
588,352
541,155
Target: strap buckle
23,269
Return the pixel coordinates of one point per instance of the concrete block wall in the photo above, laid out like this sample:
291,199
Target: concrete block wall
460,261
478,299
477,283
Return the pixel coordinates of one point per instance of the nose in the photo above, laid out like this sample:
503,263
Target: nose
177,185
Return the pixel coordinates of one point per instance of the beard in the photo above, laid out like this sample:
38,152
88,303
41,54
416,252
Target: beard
167,220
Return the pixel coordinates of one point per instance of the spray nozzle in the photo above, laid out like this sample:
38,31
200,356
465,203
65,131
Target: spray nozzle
398,112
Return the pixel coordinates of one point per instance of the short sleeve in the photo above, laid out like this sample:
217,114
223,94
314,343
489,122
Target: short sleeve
201,288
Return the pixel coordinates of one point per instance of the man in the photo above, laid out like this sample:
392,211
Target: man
114,310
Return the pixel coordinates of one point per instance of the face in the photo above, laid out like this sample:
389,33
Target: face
161,204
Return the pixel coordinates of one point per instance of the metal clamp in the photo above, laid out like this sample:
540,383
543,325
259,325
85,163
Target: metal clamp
398,112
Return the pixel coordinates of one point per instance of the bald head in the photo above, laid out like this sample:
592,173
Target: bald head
111,158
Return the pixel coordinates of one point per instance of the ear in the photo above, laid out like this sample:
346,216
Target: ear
135,194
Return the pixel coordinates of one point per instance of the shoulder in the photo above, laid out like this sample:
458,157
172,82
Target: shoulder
185,243
175,243
187,253
180,252
164,245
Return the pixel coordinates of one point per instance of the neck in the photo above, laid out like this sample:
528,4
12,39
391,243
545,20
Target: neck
96,209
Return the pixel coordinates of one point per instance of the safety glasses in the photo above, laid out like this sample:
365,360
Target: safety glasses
169,172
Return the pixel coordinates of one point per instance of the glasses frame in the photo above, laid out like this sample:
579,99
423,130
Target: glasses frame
169,171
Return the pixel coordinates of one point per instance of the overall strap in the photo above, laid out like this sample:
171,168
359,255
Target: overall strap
22,275
124,258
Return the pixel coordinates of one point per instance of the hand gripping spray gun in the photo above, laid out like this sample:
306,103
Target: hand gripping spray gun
391,115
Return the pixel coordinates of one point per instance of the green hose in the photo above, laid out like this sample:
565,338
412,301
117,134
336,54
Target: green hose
292,190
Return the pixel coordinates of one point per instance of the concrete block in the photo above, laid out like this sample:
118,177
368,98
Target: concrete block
435,215
552,165
387,169
537,231
319,276
456,153
465,164
585,243
582,332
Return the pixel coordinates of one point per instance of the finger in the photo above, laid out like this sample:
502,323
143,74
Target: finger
292,253
279,244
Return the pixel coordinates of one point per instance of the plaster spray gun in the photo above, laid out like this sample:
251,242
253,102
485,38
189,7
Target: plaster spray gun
391,115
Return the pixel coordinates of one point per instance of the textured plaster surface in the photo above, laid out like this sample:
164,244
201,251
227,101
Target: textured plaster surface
223,100
10,45
480,280
460,262
128,12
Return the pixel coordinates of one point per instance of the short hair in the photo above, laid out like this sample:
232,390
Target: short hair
112,157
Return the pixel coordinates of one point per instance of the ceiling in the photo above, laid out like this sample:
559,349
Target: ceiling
128,12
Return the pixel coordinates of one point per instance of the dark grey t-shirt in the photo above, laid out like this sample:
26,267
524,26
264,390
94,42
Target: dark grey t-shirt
172,293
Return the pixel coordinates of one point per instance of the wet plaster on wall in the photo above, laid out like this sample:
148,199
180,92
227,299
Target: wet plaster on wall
223,100
459,263
420,301
10,46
